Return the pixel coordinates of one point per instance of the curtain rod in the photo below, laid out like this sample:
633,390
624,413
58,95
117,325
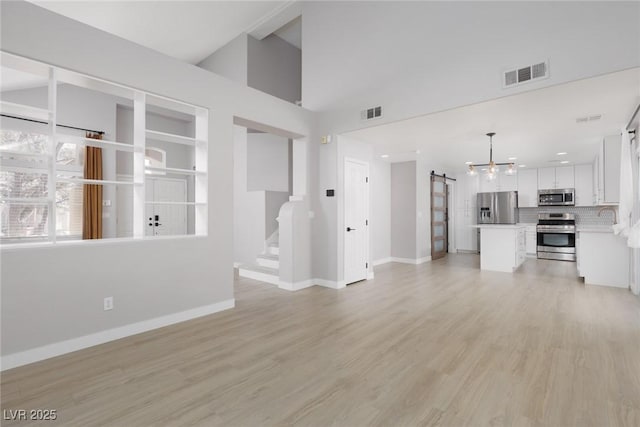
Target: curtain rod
101,132
444,175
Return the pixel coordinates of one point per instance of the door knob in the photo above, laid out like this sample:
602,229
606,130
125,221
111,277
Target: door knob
350,229
157,224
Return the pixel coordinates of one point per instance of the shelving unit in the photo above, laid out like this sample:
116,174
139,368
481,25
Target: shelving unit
61,172
102,143
25,111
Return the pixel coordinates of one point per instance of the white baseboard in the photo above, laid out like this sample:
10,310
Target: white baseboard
414,261
329,283
56,349
295,286
381,261
258,275
370,275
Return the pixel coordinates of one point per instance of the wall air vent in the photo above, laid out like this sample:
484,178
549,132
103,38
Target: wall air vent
586,119
521,75
371,113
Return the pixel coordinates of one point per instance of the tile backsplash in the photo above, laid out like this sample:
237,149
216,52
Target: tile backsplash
584,215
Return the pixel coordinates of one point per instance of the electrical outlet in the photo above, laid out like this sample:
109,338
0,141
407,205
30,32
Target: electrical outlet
108,303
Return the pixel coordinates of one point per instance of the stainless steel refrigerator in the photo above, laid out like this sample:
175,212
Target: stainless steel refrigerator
497,208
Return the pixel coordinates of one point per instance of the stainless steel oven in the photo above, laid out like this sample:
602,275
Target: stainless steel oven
556,236
560,197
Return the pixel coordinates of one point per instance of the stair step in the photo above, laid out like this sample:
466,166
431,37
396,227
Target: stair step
273,249
268,260
257,272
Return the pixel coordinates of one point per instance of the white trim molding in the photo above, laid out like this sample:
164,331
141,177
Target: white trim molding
295,286
63,347
414,261
382,261
330,283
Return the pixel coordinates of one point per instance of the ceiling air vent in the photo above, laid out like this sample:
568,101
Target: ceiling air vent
371,113
526,74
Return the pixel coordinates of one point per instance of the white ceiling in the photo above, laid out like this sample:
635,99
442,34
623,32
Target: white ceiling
11,79
532,126
186,30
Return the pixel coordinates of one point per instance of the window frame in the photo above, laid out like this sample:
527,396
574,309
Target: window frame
141,135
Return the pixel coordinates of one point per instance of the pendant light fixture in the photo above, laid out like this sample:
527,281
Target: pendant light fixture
493,168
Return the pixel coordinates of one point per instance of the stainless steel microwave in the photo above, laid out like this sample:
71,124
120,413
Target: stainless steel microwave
557,197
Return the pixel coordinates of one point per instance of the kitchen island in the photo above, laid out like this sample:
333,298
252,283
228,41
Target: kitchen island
502,246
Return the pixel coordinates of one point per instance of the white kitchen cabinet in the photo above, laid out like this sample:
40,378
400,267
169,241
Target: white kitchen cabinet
502,182
466,199
531,240
528,188
611,172
551,178
546,178
507,182
565,177
606,172
602,258
584,185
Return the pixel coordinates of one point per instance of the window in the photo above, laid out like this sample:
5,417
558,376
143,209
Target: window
71,170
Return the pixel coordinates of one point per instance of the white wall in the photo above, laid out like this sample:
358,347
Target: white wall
380,218
148,278
274,67
463,49
229,61
267,161
403,210
248,206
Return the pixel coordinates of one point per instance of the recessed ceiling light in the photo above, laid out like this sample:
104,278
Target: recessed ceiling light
513,158
522,166
564,162
384,156
562,153
468,163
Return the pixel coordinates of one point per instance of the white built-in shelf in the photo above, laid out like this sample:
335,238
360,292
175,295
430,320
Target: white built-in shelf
26,200
24,111
102,143
170,137
95,181
177,203
174,171
23,154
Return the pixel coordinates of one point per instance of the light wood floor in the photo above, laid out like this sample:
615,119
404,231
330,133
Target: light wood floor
437,344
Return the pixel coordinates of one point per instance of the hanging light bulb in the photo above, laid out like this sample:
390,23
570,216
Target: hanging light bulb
471,171
511,169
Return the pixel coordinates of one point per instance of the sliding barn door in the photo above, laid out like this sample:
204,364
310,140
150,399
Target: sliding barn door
439,224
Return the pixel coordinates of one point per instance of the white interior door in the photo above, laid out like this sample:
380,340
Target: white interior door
356,222
164,217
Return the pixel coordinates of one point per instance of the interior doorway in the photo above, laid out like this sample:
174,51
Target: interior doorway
439,216
356,221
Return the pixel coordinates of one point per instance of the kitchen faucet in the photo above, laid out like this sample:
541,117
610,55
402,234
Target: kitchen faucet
609,208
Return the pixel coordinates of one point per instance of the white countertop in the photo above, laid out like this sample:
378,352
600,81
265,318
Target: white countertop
500,226
594,229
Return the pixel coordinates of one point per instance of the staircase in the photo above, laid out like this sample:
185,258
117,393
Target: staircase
266,268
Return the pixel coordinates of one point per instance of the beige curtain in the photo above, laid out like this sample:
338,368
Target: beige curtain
92,198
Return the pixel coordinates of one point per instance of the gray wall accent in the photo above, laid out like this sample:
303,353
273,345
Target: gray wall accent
267,160
248,206
403,212
273,202
229,61
147,278
275,67
380,218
